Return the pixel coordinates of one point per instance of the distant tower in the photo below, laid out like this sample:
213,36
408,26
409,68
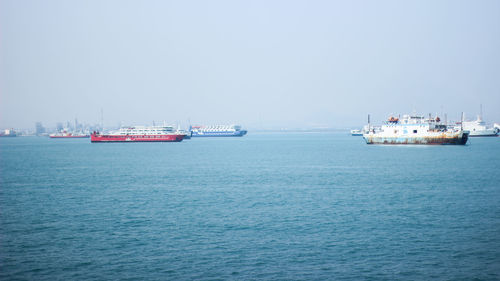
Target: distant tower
102,120
39,129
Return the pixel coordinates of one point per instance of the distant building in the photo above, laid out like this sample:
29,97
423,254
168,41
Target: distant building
59,127
39,129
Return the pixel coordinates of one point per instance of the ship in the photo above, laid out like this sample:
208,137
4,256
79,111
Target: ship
140,134
8,133
67,135
356,132
477,128
416,129
217,131
184,132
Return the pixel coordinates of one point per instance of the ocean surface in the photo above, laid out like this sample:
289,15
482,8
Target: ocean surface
276,206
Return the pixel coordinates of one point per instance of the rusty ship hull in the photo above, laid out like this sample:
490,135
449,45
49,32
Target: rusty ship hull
459,138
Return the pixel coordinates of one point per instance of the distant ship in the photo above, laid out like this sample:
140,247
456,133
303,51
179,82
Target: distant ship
184,132
356,132
140,134
8,133
217,131
416,130
478,128
67,135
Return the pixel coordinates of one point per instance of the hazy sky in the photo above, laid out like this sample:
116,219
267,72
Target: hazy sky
257,63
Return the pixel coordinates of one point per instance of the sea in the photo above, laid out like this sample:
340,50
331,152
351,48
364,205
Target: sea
266,206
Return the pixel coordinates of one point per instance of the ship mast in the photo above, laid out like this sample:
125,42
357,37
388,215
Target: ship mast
369,126
462,122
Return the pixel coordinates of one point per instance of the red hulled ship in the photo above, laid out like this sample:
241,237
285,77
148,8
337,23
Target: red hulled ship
140,134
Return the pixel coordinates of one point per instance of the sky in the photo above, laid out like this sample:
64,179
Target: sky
261,64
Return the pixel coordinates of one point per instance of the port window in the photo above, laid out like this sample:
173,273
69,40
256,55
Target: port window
414,131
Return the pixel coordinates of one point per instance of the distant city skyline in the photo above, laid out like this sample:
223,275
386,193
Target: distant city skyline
58,125
261,64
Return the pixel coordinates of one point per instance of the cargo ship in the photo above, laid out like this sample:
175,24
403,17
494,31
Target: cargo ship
67,135
8,133
140,134
414,129
217,131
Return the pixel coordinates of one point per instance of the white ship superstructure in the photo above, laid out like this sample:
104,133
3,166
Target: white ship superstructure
145,130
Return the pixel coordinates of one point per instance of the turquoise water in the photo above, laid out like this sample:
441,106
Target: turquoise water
303,206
